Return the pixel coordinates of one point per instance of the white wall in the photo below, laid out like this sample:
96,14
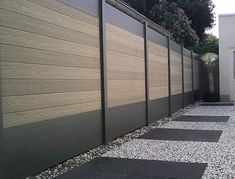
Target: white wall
226,45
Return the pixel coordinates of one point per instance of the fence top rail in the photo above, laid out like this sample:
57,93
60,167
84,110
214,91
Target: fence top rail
123,7
176,47
136,15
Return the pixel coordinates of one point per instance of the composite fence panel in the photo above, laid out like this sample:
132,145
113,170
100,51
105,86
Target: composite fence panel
196,82
176,76
50,65
125,73
188,94
54,85
158,75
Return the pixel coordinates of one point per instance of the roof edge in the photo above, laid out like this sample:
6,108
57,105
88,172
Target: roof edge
227,15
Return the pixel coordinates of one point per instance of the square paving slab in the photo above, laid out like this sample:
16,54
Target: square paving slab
117,168
218,104
183,135
203,118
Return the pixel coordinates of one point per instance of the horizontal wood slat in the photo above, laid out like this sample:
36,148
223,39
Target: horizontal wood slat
119,84
12,70
50,61
45,14
123,75
17,87
67,10
26,39
176,73
125,66
26,117
187,74
28,24
35,56
195,74
115,31
158,71
31,102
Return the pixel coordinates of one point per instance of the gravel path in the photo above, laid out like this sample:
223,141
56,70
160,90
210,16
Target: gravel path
220,156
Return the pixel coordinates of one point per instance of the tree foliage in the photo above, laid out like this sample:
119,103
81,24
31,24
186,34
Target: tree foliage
209,43
175,20
187,20
199,12
142,6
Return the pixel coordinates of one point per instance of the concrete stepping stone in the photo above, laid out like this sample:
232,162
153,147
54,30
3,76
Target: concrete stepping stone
183,135
203,118
218,104
117,168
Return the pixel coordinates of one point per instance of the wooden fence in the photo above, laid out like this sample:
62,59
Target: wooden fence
76,74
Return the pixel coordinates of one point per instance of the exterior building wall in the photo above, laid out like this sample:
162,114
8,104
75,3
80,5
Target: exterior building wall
226,48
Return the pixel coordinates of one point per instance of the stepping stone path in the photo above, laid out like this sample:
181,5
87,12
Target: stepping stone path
198,144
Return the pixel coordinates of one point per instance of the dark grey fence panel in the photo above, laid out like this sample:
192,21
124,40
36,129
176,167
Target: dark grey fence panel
89,7
188,83
49,120
122,20
176,77
125,57
196,79
156,37
158,78
29,149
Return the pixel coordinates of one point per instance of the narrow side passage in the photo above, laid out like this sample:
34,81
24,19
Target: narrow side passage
190,147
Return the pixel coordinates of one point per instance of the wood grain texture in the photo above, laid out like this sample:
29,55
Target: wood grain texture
187,74
124,42
18,87
13,104
28,24
125,66
35,56
12,70
50,61
176,73
124,62
123,96
158,71
67,10
158,49
26,39
123,35
124,49
33,10
123,75
32,116
196,84
158,92
117,84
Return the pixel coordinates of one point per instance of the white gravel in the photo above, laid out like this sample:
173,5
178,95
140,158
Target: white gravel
211,111
220,156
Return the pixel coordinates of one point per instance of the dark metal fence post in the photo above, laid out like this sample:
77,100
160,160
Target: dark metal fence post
1,127
103,67
169,72
192,76
182,63
146,71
